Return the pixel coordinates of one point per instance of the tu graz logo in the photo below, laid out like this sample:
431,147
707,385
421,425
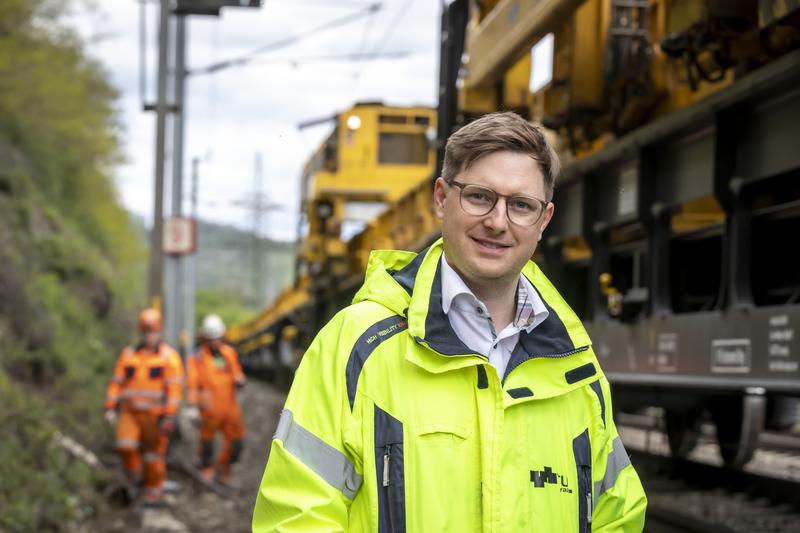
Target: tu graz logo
541,477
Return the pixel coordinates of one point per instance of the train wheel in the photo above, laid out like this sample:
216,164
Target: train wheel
782,413
683,431
739,421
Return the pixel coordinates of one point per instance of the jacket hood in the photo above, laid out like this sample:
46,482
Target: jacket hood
380,284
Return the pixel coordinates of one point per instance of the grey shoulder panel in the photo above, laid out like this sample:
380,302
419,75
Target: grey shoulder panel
598,390
365,345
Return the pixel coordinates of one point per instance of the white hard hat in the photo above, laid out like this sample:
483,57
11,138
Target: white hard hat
213,327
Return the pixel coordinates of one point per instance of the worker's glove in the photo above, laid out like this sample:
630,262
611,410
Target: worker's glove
192,414
111,416
167,425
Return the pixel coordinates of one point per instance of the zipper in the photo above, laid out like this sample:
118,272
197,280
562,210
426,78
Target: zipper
585,489
587,476
581,446
387,457
425,343
389,481
387,465
545,356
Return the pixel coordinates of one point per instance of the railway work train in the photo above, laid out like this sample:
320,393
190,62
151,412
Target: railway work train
677,212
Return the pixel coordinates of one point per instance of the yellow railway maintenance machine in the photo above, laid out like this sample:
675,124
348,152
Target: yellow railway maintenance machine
365,187
678,122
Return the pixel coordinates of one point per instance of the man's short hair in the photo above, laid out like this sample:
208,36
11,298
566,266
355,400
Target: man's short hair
497,132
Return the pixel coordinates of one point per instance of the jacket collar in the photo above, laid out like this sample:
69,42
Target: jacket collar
411,285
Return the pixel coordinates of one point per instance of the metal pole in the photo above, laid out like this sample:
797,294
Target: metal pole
157,244
258,209
174,264
191,260
142,52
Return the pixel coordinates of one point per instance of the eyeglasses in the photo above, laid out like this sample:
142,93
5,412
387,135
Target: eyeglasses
478,201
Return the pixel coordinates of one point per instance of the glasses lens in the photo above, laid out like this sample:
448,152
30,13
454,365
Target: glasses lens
477,200
524,211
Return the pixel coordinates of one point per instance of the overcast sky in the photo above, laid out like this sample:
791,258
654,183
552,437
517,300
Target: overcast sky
237,113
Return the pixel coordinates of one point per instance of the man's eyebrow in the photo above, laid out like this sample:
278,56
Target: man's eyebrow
525,194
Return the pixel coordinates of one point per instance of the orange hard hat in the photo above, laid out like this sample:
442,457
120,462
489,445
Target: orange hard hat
149,321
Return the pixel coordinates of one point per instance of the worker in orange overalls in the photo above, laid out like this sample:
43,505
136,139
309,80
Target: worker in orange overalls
146,391
214,374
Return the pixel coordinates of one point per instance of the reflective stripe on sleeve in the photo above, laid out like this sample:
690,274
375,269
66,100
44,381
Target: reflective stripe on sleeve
143,405
617,460
323,459
143,393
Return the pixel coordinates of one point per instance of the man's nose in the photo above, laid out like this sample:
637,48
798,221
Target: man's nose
496,219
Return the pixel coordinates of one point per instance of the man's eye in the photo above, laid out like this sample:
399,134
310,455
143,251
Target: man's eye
522,205
478,196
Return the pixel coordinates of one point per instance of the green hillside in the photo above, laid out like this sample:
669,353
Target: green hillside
71,264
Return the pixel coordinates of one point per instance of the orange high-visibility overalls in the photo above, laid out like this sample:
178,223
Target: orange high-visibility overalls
212,379
146,387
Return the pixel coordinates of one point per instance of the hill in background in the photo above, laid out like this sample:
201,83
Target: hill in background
251,270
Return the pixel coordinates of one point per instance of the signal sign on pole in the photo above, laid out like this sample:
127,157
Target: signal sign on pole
180,235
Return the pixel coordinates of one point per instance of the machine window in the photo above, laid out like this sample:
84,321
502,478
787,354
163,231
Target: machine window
403,149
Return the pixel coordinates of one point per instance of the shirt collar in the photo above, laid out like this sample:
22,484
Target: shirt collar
452,286
531,310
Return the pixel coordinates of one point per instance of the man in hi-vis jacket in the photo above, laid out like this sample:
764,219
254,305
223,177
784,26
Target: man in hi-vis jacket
459,392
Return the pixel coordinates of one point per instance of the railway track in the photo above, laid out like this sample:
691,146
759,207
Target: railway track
698,494
692,496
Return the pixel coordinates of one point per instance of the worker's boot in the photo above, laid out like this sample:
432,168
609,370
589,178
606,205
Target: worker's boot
230,455
153,497
225,478
207,473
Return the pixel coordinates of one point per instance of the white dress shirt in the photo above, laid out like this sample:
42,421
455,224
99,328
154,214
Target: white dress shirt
472,323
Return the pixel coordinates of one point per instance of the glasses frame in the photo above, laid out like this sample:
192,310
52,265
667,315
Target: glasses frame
497,197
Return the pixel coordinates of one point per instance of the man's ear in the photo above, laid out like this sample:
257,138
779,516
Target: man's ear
439,194
548,215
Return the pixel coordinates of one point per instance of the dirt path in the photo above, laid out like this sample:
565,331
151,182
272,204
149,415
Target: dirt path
194,508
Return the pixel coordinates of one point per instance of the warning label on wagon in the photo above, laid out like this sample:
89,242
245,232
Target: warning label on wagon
730,356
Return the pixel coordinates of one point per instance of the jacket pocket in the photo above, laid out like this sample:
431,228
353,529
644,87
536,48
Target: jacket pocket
390,473
442,434
582,448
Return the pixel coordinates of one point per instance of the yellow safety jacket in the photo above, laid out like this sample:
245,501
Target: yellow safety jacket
392,424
